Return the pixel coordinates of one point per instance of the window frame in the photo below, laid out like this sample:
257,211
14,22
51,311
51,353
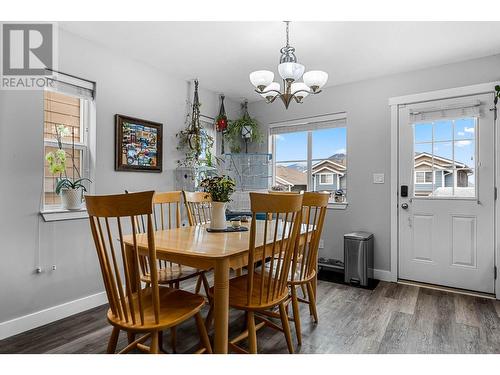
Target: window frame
340,116
87,145
425,177
325,175
454,169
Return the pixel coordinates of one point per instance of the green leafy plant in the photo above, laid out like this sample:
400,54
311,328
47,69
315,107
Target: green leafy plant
233,134
195,141
220,188
497,94
66,183
57,163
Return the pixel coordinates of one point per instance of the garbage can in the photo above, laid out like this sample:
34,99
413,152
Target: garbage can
358,257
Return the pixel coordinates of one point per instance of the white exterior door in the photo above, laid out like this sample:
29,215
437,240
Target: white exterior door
446,221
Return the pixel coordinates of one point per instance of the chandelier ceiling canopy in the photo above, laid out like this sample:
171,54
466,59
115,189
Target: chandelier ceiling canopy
291,72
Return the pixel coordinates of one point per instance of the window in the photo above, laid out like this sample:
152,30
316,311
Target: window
310,155
208,158
326,178
423,177
69,112
445,157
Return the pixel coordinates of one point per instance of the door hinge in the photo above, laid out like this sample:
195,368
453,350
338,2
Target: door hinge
495,272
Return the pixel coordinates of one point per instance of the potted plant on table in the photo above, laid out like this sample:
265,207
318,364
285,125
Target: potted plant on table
220,189
69,188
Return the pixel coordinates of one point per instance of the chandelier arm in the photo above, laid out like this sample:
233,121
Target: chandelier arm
268,91
306,91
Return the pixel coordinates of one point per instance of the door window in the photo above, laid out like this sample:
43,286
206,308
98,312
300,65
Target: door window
445,158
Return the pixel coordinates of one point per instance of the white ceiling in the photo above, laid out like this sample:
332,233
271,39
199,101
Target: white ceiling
222,54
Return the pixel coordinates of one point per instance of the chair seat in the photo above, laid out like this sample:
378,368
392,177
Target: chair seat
238,293
175,307
172,274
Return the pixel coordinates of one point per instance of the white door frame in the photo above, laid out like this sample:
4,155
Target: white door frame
395,103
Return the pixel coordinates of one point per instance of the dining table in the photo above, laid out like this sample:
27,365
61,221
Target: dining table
194,246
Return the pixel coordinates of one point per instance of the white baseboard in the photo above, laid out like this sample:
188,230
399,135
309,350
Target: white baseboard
382,275
40,318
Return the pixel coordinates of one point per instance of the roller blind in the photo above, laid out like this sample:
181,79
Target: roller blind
307,126
71,85
463,109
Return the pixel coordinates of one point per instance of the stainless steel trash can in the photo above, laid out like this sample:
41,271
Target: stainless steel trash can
358,257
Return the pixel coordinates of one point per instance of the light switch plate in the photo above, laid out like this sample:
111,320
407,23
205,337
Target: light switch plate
378,178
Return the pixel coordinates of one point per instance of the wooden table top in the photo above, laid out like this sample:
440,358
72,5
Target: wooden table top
197,242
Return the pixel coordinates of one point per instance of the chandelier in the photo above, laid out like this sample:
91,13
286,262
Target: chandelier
290,71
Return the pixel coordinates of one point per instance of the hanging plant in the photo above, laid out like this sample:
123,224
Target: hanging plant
194,140
221,119
221,122
243,129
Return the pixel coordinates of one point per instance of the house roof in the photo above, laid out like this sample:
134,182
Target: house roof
290,176
328,165
439,161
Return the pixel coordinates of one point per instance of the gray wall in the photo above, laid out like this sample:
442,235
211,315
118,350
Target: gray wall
368,141
123,86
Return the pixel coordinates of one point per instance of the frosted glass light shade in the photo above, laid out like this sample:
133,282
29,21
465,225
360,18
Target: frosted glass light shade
261,78
315,79
291,70
272,94
296,86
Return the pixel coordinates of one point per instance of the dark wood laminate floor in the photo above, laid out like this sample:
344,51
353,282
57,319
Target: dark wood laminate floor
393,318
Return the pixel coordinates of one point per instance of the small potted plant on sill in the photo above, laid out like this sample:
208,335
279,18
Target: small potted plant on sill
220,189
339,196
70,189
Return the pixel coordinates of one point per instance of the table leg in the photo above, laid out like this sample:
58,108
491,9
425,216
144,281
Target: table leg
221,305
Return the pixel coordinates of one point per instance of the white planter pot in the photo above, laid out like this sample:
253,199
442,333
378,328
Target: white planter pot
218,219
71,199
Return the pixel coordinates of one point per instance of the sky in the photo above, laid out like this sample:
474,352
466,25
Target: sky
326,142
448,137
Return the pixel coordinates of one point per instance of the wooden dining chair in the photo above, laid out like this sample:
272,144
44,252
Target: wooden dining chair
304,265
133,308
199,211
167,215
198,207
261,290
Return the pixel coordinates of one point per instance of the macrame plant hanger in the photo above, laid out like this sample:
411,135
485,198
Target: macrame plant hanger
221,122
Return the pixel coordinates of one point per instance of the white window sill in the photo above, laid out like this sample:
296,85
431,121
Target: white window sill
337,206
58,214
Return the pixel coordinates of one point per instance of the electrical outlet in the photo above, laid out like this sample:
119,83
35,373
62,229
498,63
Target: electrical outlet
321,244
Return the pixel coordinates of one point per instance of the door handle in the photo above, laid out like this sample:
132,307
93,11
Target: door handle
404,206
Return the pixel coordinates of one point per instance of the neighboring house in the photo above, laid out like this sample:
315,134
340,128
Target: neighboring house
291,178
443,174
329,175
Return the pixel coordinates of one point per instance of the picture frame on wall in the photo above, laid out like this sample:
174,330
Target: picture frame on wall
138,145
